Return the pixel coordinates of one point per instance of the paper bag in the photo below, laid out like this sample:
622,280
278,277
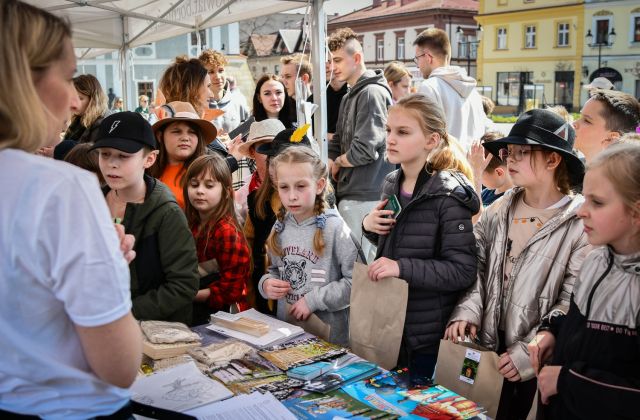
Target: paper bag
471,371
376,319
313,325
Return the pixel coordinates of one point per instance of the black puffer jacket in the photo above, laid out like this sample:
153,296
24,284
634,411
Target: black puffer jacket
434,245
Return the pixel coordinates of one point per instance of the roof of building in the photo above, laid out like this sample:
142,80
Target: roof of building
263,44
397,8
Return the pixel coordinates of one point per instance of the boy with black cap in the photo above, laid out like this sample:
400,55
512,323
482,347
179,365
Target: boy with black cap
531,244
164,275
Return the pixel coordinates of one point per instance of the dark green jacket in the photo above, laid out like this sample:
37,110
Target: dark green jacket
164,274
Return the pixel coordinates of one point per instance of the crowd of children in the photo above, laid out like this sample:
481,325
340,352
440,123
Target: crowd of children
514,243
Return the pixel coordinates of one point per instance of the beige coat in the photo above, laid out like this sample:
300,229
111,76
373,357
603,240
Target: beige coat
541,280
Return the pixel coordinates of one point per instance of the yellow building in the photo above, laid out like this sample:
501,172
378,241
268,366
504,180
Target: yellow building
531,53
613,50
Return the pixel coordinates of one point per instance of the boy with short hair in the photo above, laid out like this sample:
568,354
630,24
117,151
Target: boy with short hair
291,64
605,117
491,178
164,275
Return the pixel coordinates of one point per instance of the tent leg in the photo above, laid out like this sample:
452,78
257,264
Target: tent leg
318,56
125,64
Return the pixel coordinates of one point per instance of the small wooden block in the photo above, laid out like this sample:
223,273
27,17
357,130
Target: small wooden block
245,325
163,351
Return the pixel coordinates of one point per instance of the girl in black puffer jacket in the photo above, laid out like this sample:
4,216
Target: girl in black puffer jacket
430,242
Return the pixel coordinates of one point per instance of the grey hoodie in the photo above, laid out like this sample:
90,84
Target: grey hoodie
324,280
234,112
360,133
456,92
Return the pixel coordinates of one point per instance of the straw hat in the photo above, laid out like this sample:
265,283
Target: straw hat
184,112
261,132
600,83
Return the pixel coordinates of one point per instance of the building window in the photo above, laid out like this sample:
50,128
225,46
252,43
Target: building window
508,88
563,34
194,38
379,47
635,28
502,39
265,70
602,31
145,88
276,69
530,36
400,48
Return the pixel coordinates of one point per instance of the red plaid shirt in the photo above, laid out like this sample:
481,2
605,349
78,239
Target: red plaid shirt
227,245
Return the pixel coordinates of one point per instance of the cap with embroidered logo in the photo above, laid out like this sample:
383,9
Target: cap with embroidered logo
125,131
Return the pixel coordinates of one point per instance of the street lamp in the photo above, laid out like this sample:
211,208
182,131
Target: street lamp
604,42
460,37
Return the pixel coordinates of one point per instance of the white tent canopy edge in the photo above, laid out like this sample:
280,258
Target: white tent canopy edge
101,26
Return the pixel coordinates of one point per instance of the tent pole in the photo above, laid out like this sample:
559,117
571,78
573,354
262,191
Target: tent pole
318,56
125,65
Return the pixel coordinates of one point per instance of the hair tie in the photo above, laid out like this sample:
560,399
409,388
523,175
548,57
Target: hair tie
278,226
321,221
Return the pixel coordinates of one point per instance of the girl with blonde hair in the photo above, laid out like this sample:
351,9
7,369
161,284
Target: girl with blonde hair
399,80
422,226
311,249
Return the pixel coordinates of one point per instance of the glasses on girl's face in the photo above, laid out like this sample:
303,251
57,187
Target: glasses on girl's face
517,154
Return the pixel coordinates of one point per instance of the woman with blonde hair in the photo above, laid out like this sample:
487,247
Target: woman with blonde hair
70,346
399,80
91,109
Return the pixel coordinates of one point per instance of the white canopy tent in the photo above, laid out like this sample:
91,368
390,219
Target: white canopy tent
101,26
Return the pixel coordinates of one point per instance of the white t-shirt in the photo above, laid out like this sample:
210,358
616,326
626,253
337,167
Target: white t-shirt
60,265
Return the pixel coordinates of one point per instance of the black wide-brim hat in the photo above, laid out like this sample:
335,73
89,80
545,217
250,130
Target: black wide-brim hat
281,141
547,130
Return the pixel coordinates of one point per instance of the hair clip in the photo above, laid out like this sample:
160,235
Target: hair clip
321,221
278,226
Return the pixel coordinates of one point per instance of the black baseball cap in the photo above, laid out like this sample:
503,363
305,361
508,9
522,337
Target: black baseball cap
547,130
125,131
281,141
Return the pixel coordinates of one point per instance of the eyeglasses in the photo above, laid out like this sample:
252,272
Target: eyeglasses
516,155
417,57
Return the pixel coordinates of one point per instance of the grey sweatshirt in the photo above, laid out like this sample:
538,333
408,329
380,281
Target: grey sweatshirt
324,280
234,112
360,133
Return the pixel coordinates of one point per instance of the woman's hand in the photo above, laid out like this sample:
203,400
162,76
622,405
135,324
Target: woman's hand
275,288
457,330
383,267
507,368
300,310
548,382
379,221
126,243
541,349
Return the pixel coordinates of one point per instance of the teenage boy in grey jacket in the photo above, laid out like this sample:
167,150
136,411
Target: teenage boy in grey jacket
356,153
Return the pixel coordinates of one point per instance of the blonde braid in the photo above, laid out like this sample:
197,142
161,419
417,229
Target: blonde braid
272,240
318,238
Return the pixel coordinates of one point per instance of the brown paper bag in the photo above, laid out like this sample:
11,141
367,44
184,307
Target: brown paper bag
313,325
480,381
376,317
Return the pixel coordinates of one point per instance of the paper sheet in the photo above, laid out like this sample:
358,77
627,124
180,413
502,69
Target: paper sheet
254,406
180,388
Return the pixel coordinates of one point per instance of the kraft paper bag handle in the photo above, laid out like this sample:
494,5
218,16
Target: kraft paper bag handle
376,317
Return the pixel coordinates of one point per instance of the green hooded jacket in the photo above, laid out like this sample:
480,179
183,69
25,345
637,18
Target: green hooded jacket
164,274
